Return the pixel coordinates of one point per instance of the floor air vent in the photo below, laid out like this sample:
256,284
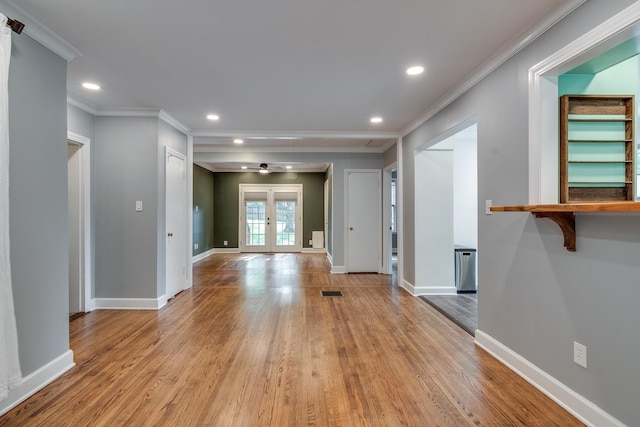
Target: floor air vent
331,293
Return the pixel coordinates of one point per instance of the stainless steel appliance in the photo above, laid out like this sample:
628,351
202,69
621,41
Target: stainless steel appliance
465,264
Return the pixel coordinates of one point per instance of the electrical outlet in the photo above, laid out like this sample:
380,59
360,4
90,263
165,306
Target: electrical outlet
487,207
195,246
310,242
226,243
580,354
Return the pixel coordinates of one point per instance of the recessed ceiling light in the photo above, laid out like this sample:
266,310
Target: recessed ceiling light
243,167
376,119
414,71
238,141
91,86
288,166
213,117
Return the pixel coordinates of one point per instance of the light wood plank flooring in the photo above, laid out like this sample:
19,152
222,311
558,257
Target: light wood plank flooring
254,344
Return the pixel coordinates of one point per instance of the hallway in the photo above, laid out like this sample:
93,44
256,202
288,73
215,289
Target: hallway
253,343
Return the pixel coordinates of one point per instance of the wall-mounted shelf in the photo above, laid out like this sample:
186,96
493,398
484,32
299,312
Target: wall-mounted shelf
596,148
564,214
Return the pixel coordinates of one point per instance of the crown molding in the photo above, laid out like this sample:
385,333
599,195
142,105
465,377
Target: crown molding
292,134
129,112
204,148
37,31
173,122
491,64
84,106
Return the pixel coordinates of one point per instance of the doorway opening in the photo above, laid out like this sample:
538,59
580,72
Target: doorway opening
447,237
79,223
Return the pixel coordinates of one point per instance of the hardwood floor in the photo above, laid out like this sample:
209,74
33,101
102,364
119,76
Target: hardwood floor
254,344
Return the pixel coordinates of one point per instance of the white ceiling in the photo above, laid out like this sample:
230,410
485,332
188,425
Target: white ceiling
286,67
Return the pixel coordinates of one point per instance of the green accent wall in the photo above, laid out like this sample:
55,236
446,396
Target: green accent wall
619,79
202,209
226,202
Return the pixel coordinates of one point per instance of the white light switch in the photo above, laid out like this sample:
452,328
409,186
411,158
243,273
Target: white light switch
487,207
196,208
138,205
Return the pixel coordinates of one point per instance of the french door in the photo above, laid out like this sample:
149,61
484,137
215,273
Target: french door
271,218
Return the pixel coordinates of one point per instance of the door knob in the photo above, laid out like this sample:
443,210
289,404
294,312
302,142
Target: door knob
351,228
170,234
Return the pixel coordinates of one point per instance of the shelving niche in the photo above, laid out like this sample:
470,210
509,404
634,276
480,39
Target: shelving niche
596,148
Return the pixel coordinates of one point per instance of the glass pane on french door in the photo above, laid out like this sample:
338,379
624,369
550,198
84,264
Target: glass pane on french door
285,223
256,223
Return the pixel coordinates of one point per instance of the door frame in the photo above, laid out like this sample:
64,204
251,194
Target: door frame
378,207
242,188
386,218
170,152
87,302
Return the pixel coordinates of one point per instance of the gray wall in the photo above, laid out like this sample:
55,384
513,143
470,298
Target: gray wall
390,156
38,201
341,162
126,170
84,124
534,296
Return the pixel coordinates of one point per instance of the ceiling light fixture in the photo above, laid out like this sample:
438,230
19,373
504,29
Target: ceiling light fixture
243,167
91,86
213,117
376,119
264,168
238,141
414,71
288,166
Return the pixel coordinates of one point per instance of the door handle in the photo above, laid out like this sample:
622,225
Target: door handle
351,228
170,234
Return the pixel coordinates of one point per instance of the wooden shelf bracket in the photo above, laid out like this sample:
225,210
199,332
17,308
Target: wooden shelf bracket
567,223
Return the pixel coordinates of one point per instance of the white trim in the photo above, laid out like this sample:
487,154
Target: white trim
435,290
407,286
202,256
37,31
400,211
83,105
338,269
492,63
173,122
583,409
204,148
226,250
189,207
129,112
539,84
85,167
130,303
290,135
37,380
387,238
313,250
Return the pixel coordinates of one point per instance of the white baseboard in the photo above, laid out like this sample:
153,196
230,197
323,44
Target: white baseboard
312,250
91,305
226,250
202,256
435,290
583,409
337,269
428,290
130,303
37,380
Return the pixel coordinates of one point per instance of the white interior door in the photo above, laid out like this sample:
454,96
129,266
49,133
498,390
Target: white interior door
363,221
271,218
176,223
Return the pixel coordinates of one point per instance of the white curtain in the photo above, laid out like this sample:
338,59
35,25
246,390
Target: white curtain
10,376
